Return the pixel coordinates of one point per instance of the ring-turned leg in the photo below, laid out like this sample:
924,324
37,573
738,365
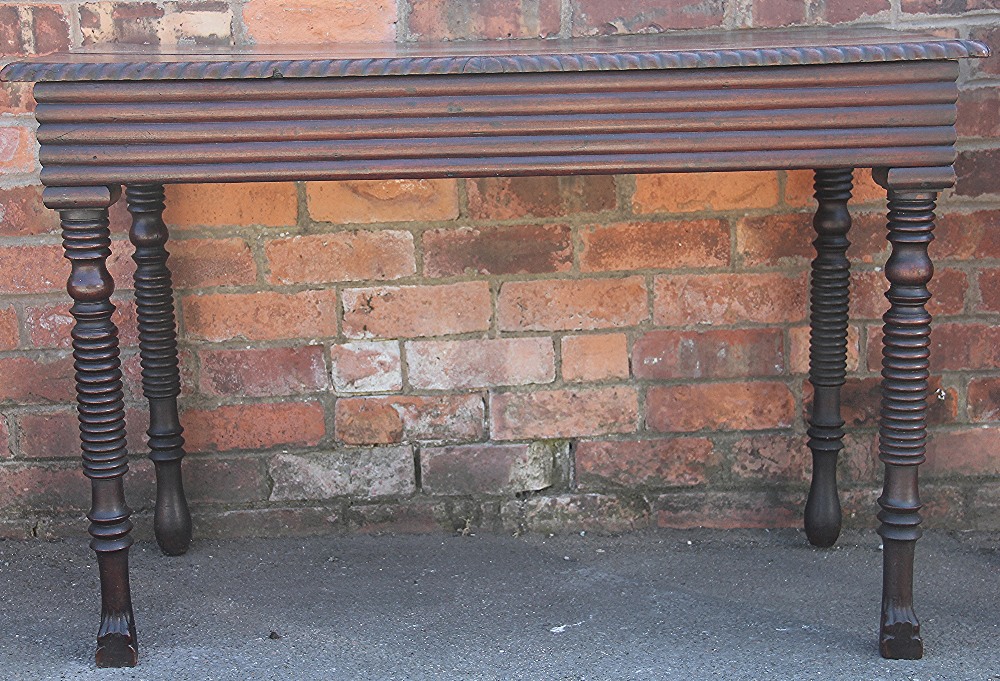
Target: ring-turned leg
905,376
100,400
829,298
158,355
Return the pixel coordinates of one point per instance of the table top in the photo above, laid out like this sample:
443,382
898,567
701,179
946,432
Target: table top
657,51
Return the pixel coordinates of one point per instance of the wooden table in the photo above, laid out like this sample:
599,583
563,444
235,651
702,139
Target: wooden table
829,101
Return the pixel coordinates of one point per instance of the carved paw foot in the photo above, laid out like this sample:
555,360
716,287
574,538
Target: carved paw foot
900,635
116,642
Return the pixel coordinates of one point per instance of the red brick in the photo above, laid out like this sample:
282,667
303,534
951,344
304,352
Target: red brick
366,367
320,21
770,13
977,113
661,355
43,487
984,399
688,192
954,346
49,326
719,406
341,256
798,356
729,510
262,372
663,245
685,299
967,236
486,469
572,305
507,198
11,40
196,263
868,289
678,462
367,201
22,213
800,185
387,420
451,365
573,513
505,249
977,172
966,452
50,28
849,10
413,311
775,239
365,473
490,19
261,316
8,329
269,204
860,399
253,426
29,381
595,357
644,16
17,150
989,289
546,414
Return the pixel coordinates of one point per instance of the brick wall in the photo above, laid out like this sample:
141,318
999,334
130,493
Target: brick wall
529,354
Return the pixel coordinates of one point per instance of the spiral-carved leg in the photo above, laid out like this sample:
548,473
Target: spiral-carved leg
158,355
828,351
902,431
100,399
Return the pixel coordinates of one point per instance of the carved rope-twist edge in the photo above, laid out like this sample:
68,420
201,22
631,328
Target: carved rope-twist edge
399,66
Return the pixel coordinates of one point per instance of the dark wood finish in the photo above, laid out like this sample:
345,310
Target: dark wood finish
824,100
831,278
100,400
161,383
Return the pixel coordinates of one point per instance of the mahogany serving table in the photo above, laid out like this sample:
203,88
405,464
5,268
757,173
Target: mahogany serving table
829,101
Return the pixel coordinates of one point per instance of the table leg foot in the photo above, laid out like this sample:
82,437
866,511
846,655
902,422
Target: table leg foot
116,639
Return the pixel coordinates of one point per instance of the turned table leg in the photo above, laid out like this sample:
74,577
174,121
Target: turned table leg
829,297
905,377
158,355
100,400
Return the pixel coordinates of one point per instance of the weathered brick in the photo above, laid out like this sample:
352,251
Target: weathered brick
22,212
388,420
772,297
850,10
55,434
366,473
970,451
954,346
49,28
261,316
783,239
572,305
49,326
676,462
413,311
798,355
196,263
591,513
17,150
506,198
147,23
480,363
262,372
687,192
269,204
595,357
989,289
367,201
253,426
320,21
490,19
42,488
32,381
942,6
9,337
977,113
11,39
991,36
486,469
770,13
976,174
657,245
719,406
397,517
5,443
967,236
366,367
799,188
546,414
661,355
984,399
504,249
207,480
868,289
729,510
772,457
341,256
15,98
644,16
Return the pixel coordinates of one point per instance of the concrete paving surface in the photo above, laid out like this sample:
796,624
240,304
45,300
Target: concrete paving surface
660,605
